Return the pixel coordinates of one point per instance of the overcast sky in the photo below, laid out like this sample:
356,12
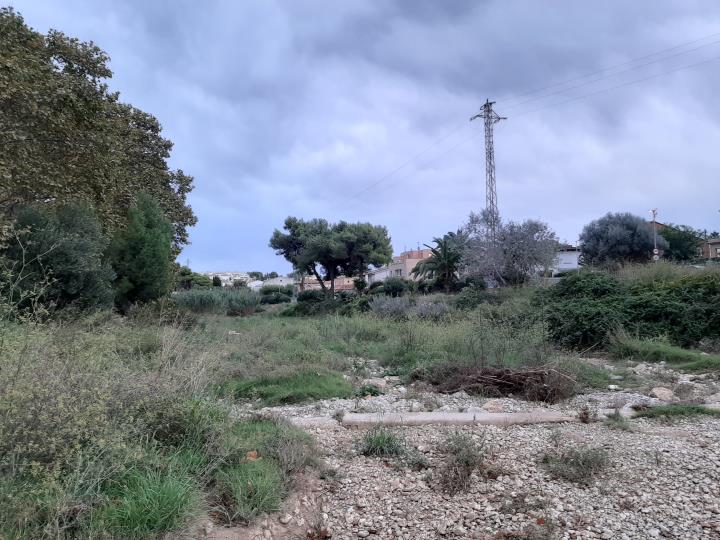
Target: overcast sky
303,108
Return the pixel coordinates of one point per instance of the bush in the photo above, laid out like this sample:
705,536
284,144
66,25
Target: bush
463,457
583,309
311,296
287,290
472,296
275,298
678,410
392,307
659,350
578,465
396,286
432,310
59,250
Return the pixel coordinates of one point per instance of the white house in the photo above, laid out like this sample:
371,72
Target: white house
280,280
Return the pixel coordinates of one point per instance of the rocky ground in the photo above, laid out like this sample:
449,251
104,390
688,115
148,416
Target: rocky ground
662,481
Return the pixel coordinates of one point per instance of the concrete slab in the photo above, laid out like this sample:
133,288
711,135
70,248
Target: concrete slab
357,420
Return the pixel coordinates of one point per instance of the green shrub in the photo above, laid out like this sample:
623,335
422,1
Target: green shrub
287,290
152,503
249,489
275,298
396,286
472,296
59,250
381,442
314,309
303,386
311,296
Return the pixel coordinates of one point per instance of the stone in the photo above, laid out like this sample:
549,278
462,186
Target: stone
662,393
285,519
613,387
377,382
363,533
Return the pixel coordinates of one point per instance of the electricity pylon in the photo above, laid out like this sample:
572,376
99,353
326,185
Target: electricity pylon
491,118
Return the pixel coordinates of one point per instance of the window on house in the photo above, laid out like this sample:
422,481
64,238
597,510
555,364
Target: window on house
398,272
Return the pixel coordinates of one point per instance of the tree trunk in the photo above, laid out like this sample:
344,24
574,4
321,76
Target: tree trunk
332,284
317,276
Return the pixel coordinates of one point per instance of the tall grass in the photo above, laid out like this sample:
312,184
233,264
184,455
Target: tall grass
218,300
622,345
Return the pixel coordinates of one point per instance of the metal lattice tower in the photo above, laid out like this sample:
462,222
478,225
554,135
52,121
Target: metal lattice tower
491,118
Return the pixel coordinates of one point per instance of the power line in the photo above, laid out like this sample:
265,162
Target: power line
631,61
591,81
558,103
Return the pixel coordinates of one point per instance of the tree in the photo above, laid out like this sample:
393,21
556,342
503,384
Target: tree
270,275
683,242
61,247
256,276
216,281
444,263
617,239
317,246
65,137
141,255
512,254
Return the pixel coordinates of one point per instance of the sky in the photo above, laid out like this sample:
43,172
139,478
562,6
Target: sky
359,110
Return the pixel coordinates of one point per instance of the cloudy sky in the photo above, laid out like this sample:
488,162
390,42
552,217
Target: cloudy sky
358,109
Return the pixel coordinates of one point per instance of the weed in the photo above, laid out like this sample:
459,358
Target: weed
656,350
463,457
578,465
381,442
587,415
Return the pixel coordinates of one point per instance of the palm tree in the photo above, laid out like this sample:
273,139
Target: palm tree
444,262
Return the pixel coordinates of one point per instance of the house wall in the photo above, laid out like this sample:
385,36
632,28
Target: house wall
566,260
402,266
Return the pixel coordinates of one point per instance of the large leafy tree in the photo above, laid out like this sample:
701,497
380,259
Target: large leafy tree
326,250
66,137
141,255
512,254
617,239
444,262
683,242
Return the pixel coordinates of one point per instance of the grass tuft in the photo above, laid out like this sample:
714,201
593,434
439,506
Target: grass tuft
678,410
249,489
380,442
463,457
648,350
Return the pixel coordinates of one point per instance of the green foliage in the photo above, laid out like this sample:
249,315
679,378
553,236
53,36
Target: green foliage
58,249
657,350
585,307
286,290
230,301
381,442
311,296
141,255
338,249
216,281
275,298
617,239
389,306
187,279
152,503
473,296
303,386
678,410
66,137
442,266
249,489
683,242
396,286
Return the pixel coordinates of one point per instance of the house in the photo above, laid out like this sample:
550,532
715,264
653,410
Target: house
280,280
567,258
255,285
342,283
711,249
401,266
228,278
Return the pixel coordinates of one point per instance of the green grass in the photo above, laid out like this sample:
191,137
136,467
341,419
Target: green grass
249,489
305,386
645,350
151,503
674,411
579,465
381,442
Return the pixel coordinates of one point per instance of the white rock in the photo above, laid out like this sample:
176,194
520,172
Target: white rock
660,392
